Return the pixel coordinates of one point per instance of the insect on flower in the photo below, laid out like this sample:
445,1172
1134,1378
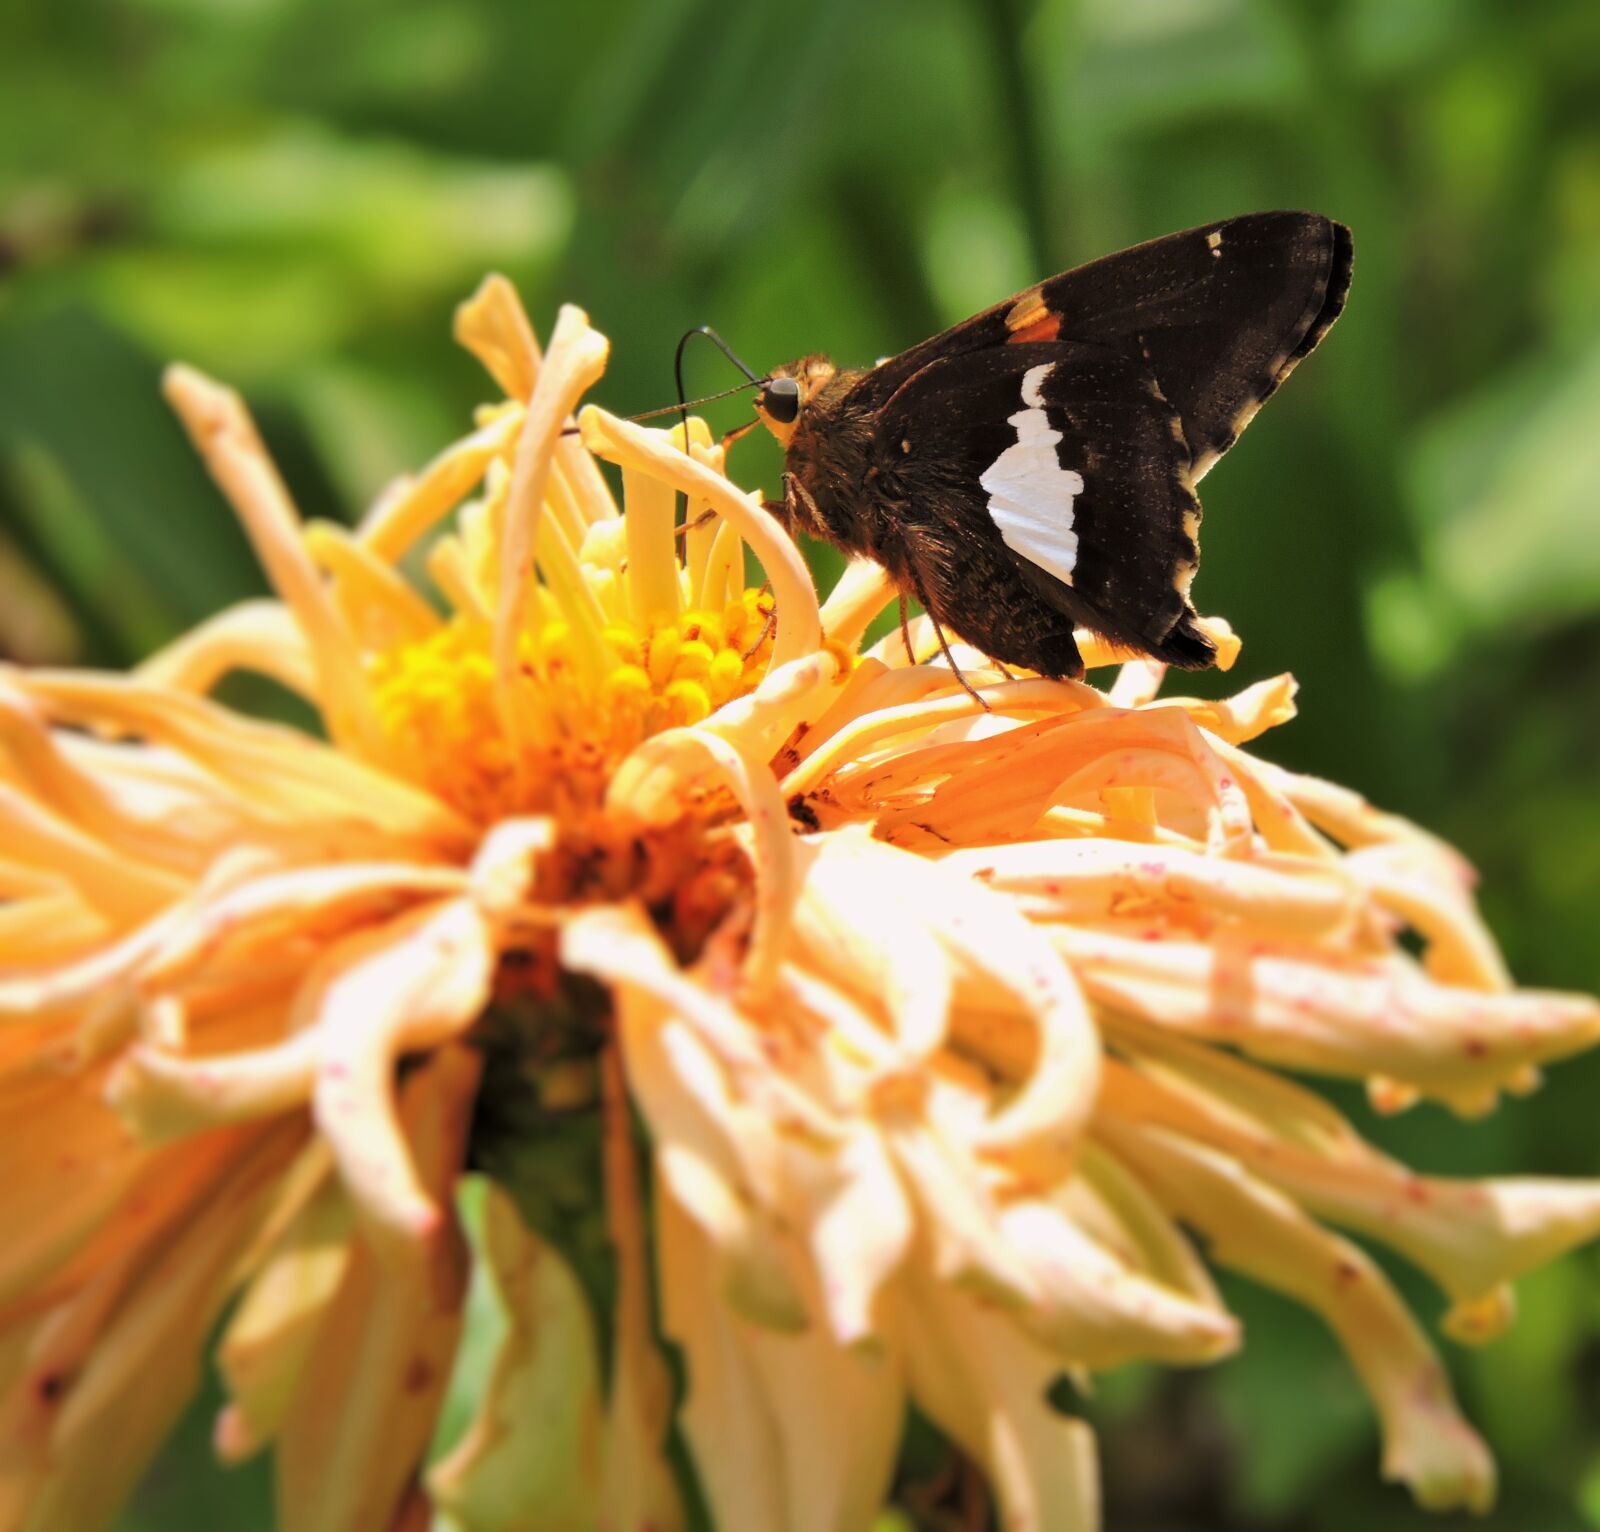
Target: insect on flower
1032,470
954,1024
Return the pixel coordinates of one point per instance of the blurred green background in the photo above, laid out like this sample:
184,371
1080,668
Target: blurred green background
294,194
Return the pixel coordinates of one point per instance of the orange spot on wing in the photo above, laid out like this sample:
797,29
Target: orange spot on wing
1046,327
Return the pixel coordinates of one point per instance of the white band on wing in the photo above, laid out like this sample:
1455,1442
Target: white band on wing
1030,493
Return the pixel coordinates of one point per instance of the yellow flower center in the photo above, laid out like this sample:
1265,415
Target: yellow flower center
436,702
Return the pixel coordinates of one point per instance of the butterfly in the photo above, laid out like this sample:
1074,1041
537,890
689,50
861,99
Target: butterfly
1032,470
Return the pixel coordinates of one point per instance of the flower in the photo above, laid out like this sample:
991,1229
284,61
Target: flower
945,1021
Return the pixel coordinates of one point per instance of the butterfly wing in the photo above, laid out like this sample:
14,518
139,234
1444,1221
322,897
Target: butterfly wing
1219,316
1040,486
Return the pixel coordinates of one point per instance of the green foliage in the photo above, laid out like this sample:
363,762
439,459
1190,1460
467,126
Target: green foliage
293,193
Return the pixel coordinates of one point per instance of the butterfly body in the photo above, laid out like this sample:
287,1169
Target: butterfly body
1032,470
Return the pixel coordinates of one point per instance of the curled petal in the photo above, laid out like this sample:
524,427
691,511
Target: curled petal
1427,1444
718,1149
226,438
1092,878
530,1459
861,1231
411,984
258,635
365,1406
1472,1237
98,988
631,446
277,904
162,1096
577,358
852,881
859,594
507,862
1359,1018
270,1335
649,784
998,789
1092,1308
276,768
147,809
493,326
1427,890
852,743
1252,712
119,886
984,1384
401,518
787,697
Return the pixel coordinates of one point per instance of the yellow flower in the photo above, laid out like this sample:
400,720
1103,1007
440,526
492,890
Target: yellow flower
944,1023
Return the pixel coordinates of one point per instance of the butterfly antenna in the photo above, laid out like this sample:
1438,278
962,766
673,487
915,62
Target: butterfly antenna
677,376
674,409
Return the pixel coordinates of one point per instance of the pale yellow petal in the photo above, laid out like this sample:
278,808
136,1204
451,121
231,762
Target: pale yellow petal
1094,878
121,887
789,694
859,594
257,635
852,881
140,1357
737,1452
399,520
652,568
271,907
985,1384
1354,1018
1470,1236
530,1460
380,605
1427,890
849,744
576,359
639,1492
1427,1444
364,1409
641,787
160,1095
269,1337
493,326
1243,717
276,767
48,928
716,1150
799,629
226,438
407,985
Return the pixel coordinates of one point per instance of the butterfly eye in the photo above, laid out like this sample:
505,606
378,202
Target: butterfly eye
780,399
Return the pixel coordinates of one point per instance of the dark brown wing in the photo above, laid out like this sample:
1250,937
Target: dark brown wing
1043,486
1217,315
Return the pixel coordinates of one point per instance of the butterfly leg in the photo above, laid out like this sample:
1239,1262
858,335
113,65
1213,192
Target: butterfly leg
949,658
905,631
684,527
767,629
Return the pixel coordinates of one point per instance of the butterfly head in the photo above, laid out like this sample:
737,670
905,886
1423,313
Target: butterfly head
786,391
